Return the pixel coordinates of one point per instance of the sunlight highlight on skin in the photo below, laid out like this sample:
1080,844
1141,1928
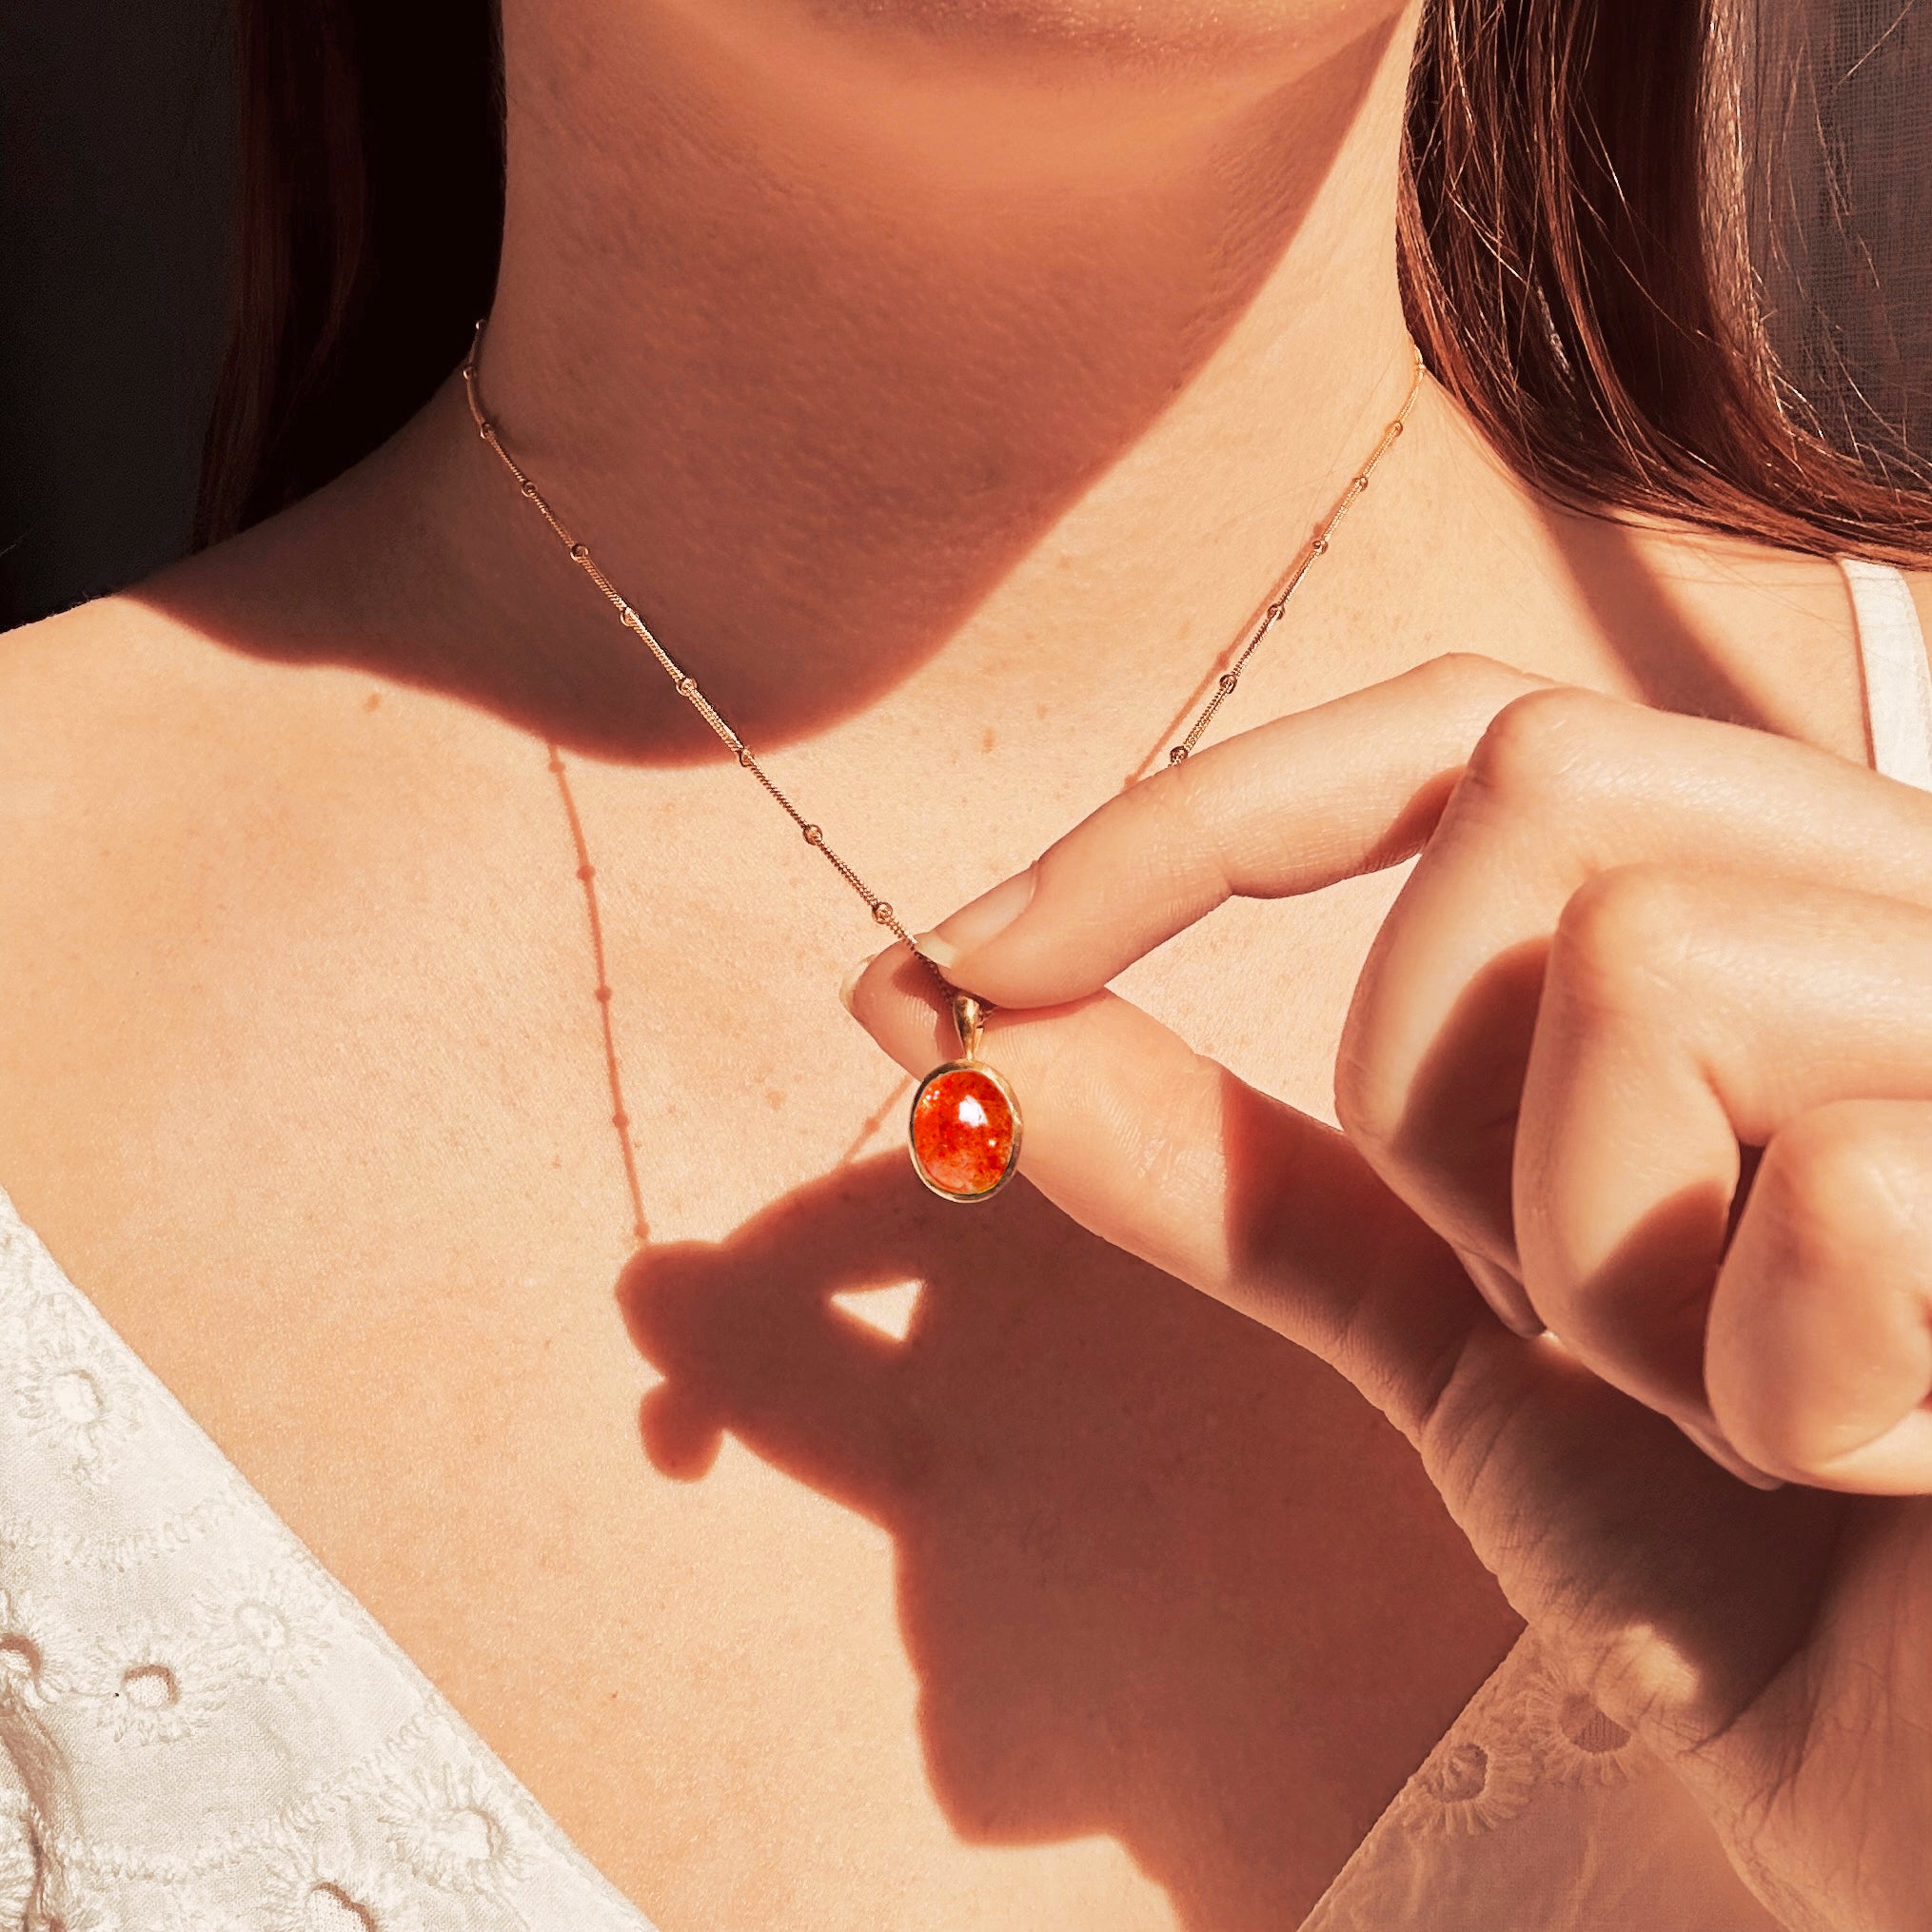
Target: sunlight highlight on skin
889,1309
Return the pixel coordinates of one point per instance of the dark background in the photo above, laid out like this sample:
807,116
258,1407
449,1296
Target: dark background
116,131
116,126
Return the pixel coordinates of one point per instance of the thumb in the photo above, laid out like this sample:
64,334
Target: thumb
1168,1156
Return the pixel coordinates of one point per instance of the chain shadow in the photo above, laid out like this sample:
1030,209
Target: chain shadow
1139,1597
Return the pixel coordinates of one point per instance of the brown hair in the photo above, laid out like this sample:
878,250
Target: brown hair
1584,254
370,178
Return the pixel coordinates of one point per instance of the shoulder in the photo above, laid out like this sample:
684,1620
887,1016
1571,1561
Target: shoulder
122,735
96,706
208,856
121,782
151,735
88,673
175,810
135,678
101,711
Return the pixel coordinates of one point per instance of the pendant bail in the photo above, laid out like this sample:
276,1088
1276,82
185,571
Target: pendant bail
969,1016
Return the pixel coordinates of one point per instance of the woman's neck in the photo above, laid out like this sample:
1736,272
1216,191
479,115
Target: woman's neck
839,346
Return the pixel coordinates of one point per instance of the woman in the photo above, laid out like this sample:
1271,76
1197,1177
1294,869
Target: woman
948,388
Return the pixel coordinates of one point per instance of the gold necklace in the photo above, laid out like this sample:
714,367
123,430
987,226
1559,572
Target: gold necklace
963,1130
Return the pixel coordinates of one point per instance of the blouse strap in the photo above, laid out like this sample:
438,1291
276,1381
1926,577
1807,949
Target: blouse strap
1898,680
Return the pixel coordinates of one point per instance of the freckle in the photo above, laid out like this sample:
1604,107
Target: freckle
1039,711
774,1098
373,702
986,738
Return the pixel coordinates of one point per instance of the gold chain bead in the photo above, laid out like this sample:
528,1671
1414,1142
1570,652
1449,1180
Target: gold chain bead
688,688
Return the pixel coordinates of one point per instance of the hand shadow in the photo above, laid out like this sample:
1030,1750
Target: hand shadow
1137,1597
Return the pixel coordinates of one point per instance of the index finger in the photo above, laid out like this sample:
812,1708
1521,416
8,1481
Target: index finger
1169,1156
1303,801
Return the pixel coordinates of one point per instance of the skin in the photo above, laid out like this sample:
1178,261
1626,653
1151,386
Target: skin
948,386
1633,945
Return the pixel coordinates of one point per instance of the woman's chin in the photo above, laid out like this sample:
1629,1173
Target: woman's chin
1225,38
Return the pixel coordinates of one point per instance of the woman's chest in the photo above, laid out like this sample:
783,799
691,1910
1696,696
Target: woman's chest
838,1555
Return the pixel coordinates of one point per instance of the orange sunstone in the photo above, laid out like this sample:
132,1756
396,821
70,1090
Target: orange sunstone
963,1132
965,1127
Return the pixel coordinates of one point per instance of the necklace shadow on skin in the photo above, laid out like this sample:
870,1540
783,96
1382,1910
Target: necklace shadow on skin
1156,1566
1161,1575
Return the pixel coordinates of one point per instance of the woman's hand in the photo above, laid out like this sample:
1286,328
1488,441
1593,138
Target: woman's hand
1639,954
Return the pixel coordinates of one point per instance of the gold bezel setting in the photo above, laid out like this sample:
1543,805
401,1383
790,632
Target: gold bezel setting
1012,1099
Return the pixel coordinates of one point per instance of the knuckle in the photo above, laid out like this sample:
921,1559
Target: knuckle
1471,676
1619,935
1532,746
1169,808
1825,1176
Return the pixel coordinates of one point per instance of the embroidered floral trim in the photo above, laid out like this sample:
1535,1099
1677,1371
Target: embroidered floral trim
353,1789
78,1400
64,1911
1473,1784
450,1829
31,1280
320,1888
19,1867
359,1804
156,1684
1578,1744
1486,1771
266,1623
151,1685
168,1911
51,1544
1527,1729
37,1652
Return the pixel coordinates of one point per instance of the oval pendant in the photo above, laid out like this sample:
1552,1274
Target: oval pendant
963,1129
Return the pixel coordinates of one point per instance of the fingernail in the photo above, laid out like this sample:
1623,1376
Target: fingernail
849,985
977,921
1508,1298
1721,1452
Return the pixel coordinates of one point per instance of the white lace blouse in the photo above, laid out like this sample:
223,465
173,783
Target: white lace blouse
201,1730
